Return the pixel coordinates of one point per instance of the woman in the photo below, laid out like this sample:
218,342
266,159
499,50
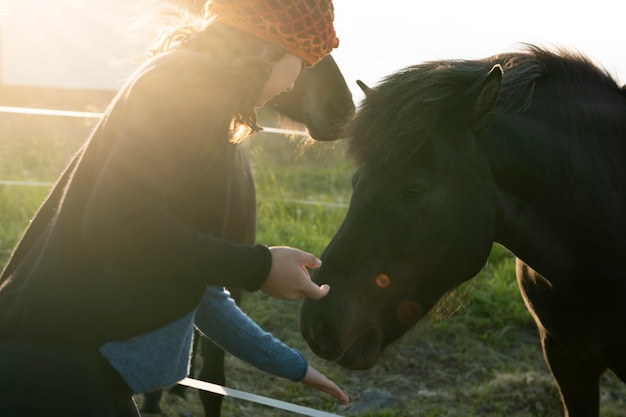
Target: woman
147,207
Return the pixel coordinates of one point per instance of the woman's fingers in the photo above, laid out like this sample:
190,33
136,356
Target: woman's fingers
316,292
316,379
289,278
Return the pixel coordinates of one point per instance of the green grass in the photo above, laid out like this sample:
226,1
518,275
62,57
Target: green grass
477,354
32,148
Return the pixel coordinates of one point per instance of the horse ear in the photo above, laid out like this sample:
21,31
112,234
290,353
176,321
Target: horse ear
484,96
364,87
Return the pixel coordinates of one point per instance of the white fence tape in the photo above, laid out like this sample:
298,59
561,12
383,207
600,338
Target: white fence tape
92,115
26,183
259,399
280,200
50,112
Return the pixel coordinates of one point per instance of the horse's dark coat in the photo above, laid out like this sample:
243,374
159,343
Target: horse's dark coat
320,99
525,149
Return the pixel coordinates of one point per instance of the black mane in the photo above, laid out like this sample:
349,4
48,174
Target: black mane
410,102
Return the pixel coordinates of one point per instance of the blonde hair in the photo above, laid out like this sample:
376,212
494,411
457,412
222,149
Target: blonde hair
248,59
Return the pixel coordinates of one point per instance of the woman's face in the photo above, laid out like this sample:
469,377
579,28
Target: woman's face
283,75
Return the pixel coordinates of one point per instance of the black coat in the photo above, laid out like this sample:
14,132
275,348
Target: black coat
153,208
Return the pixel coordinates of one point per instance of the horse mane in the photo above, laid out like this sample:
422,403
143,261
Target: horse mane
409,105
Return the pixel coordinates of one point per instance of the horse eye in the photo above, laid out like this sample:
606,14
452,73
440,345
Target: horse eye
413,192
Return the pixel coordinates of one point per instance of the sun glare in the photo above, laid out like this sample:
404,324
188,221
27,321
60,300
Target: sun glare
68,43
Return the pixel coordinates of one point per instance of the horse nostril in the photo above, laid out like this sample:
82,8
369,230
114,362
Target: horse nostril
319,334
324,339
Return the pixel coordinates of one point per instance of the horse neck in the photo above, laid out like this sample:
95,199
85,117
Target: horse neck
556,177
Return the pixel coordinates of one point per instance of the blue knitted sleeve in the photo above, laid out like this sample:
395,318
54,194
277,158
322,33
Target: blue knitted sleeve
222,321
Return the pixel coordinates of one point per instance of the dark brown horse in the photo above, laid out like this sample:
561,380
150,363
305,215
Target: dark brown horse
525,149
322,101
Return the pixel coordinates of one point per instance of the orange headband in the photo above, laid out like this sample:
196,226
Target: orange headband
301,27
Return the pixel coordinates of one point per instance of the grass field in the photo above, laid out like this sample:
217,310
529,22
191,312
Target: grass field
478,354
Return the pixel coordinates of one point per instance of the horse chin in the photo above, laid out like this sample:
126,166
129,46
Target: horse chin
321,129
364,352
323,135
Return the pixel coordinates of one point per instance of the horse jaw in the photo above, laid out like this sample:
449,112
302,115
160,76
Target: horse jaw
364,351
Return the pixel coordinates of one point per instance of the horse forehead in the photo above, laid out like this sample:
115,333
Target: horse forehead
324,73
391,171
397,147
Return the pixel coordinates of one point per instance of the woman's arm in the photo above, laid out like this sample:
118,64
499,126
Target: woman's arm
222,321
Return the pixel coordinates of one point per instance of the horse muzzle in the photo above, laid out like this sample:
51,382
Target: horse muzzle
349,337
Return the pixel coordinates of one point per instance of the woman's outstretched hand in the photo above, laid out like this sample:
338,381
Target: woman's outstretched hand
289,279
316,379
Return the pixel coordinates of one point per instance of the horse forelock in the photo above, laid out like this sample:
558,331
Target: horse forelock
405,109
397,116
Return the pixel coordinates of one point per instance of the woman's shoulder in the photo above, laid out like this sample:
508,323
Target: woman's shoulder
182,70
185,60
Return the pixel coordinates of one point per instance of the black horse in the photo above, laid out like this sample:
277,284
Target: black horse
322,101
526,149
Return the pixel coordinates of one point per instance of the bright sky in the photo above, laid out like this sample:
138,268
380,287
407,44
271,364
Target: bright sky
380,37
81,43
